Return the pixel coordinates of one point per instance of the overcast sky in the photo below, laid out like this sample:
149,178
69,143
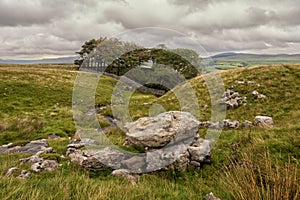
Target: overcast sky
55,28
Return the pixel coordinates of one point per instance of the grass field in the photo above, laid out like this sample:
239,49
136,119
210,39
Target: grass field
36,100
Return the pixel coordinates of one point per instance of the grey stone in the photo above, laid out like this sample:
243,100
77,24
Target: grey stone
10,171
135,163
75,146
45,165
255,93
205,124
158,131
228,124
200,153
24,175
246,124
30,148
263,121
261,96
32,159
182,162
214,125
211,196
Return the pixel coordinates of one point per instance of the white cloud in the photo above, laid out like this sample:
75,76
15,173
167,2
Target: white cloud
35,28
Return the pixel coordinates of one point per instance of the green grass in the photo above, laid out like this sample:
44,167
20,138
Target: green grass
36,101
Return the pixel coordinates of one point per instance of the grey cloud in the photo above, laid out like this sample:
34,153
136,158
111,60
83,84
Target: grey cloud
36,27
25,13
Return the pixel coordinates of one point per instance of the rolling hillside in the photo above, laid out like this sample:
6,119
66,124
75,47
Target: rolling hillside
36,101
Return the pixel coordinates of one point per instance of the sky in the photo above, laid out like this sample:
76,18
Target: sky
33,29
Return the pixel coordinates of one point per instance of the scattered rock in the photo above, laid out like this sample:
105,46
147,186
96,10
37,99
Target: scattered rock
10,171
30,148
214,125
261,96
255,93
24,175
258,95
32,159
45,165
246,124
250,82
211,196
125,174
170,140
228,124
240,82
232,99
205,124
263,121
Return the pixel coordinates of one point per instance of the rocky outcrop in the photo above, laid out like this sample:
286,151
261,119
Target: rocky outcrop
170,140
45,165
30,148
38,163
225,124
263,121
232,99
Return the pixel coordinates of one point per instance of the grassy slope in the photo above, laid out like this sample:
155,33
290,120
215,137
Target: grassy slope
40,100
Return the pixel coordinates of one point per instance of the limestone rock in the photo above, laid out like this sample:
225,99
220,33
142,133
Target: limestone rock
30,148
258,95
24,175
211,196
45,165
246,124
171,140
255,93
200,151
155,132
232,99
11,171
205,124
32,159
263,121
228,124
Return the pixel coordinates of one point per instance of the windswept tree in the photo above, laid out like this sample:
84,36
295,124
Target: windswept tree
119,57
87,48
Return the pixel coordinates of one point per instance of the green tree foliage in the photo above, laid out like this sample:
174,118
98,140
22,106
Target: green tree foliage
87,48
120,57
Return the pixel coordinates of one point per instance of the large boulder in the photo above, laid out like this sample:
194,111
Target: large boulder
158,131
263,121
170,139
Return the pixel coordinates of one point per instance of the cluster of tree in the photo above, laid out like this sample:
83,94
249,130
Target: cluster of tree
118,57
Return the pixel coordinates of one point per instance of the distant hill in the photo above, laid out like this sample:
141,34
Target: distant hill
248,56
63,60
231,60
